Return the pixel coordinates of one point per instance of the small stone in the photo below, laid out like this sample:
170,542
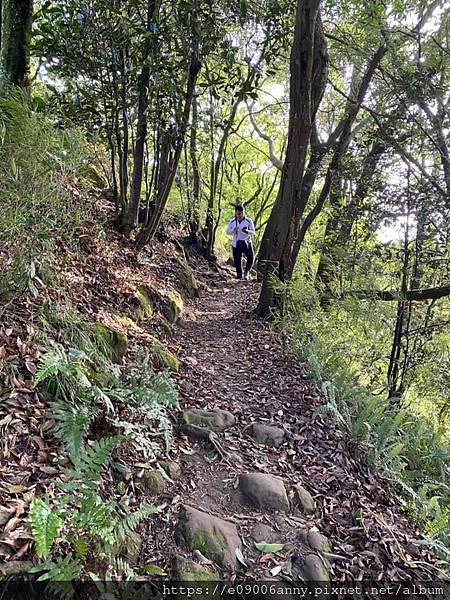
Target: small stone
267,435
153,483
315,568
303,500
264,491
215,420
315,540
172,468
263,533
318,541
215,538
196,433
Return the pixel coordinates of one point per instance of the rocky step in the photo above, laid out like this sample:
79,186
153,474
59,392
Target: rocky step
213,537
215,420
264,491
267,435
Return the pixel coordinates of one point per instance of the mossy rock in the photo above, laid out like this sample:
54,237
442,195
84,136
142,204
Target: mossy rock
303,500
315,568
100,378
187,278
187,570
166,326
130,324
215,420
161,356
144,310
315,540
267,435
215,538
171,305
318,541
264,491
153,483
116,341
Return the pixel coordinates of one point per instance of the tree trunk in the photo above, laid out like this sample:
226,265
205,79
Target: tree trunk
123,166
194,210
168,172
216,164
17,17
389,296
328,256
131,214
304,102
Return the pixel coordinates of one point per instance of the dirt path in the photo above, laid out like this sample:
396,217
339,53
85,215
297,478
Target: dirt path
233,362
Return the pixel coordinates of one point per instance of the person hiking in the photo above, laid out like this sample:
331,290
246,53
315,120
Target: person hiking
241,228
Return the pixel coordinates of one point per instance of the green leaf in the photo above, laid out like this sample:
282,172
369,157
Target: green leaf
14,167
81,548
71,424
45,525
153,570
268,548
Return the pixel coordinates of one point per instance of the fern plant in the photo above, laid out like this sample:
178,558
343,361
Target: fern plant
59,574
72,420
150,394
46,524
91,524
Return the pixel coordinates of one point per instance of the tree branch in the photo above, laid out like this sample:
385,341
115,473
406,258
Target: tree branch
277,162
389,295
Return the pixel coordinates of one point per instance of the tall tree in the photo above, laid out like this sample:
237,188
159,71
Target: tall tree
16,21
130,215
308,72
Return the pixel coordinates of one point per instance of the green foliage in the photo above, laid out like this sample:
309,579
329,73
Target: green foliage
45,525
341,346
66,377
72,422
62,569
59,574
38,164
148,394
68,326
90,463
91,522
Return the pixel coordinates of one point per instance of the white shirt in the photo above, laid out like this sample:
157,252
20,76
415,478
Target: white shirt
240,235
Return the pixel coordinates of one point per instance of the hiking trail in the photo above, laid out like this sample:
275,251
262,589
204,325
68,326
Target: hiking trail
257,461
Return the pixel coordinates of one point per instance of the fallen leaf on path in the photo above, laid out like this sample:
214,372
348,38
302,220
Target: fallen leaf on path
268,548
240,557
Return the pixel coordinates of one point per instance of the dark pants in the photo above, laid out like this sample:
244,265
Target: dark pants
246,249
